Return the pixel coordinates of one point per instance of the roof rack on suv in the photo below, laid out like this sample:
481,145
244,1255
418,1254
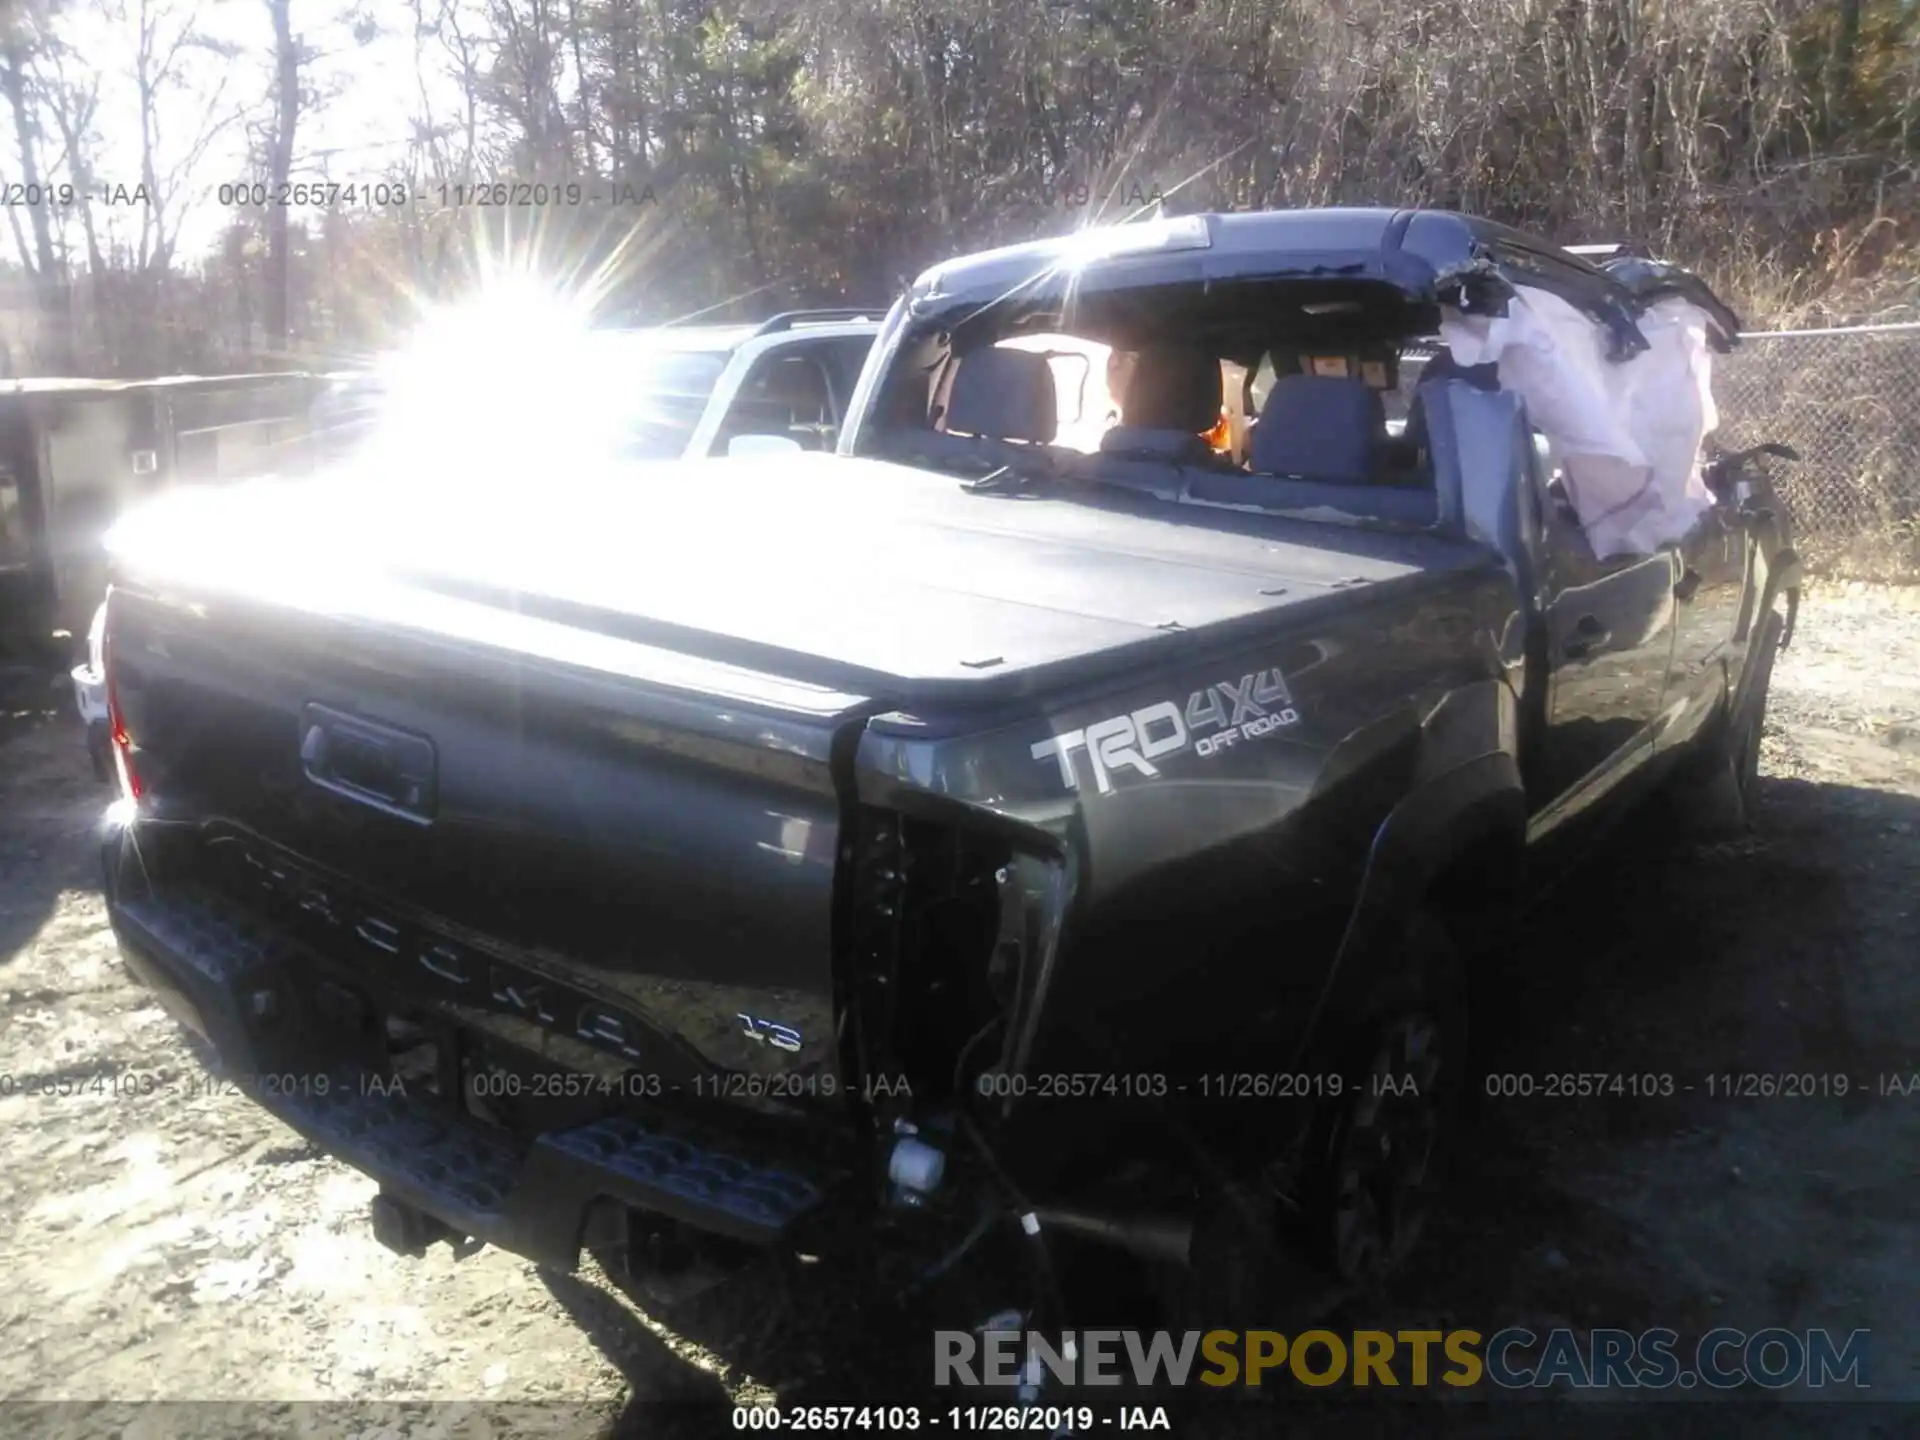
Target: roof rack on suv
787,319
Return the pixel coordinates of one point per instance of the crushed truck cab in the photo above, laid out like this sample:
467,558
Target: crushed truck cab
966,823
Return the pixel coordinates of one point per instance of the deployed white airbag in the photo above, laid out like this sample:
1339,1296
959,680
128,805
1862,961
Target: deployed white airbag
1629,434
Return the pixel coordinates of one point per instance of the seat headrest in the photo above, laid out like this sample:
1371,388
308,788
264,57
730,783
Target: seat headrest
1173,387
1321,427
798,385
1175,446
1444,367
1008,394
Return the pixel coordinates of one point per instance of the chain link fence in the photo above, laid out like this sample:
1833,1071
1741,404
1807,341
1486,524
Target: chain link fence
1849,401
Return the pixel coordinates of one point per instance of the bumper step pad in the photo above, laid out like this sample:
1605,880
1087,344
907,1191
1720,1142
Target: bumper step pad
681,1179
455,1173
199,947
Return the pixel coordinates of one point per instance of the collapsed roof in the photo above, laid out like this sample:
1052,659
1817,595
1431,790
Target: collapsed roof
1613,360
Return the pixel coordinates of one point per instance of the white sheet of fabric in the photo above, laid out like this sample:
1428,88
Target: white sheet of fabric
1629,434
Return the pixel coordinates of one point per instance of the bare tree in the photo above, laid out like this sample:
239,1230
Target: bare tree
71,97
167,42
828,145
22,33
576,33
465,49
286,94
526,81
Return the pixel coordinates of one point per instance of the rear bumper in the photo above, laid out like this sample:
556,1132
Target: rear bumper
90,694
90,699
248,990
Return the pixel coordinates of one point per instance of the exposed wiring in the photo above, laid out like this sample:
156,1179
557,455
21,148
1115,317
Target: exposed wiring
960,1063
1052,1295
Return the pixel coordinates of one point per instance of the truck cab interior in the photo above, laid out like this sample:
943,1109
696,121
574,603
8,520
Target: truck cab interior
1316,438
785,395
1262,413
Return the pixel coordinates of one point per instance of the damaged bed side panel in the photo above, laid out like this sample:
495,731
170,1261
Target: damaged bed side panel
1197,834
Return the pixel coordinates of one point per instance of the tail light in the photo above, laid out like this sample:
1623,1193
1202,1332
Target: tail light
124,762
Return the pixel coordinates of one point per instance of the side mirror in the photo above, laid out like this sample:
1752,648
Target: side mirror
763,445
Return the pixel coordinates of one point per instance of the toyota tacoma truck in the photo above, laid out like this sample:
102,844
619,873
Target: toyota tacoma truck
961,833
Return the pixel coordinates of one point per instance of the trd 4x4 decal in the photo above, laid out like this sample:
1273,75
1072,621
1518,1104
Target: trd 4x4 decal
1257,706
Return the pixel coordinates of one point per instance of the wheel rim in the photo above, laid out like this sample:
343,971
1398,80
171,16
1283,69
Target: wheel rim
1385,1151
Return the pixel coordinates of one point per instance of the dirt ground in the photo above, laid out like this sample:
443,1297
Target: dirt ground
192,1249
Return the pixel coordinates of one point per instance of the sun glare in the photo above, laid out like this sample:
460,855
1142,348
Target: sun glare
486,375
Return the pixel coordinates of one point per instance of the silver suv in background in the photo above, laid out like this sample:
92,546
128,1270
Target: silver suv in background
689,391
708,386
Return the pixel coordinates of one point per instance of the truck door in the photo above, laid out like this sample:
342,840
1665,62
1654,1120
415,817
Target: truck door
843,358
796,385
1609,641
786,392
1711,562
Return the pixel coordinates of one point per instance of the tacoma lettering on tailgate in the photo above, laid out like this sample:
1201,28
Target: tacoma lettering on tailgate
435,964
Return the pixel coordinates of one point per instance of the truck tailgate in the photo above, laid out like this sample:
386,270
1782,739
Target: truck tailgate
539,836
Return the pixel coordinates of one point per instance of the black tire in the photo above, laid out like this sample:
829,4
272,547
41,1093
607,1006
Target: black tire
1285,1243
1380,1153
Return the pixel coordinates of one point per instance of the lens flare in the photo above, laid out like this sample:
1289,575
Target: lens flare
501,378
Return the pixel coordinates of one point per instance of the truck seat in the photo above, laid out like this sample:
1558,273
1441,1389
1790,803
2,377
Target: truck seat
1328,428
1320,445
1005,394
1173,398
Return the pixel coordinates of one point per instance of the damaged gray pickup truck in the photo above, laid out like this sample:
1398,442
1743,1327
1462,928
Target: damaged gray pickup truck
996,827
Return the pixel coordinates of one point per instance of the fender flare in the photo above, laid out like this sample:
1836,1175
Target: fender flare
1785,576
1478,799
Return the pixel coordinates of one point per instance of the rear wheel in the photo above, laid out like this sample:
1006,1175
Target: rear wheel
1380,1149
1347,1206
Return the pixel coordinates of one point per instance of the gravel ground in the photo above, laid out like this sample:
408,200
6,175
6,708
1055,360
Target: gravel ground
185,1247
